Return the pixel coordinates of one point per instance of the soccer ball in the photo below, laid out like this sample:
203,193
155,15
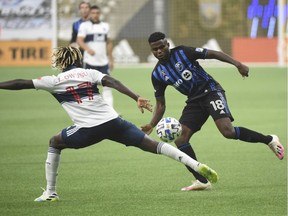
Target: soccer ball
168,129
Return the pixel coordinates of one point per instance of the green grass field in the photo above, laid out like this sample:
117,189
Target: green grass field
110,179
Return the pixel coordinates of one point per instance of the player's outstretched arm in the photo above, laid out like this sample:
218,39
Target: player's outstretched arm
243,69
142,103
157,115
17,84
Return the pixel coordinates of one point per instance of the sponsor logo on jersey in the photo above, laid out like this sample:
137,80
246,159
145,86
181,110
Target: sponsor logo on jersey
99,37
165,75
178,83
179,66
186,75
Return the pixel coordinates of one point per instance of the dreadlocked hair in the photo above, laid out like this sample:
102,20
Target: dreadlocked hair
67,56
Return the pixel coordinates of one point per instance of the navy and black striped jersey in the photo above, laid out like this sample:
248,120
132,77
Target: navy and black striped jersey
184,73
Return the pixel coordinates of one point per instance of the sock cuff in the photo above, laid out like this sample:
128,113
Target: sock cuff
237,132
186,145
54,150
159,147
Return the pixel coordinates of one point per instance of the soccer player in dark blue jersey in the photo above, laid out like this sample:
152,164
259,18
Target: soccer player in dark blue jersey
84,10
205,97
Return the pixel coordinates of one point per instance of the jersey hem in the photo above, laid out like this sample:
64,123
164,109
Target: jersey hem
99,123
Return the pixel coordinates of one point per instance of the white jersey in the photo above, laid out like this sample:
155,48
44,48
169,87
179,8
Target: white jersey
95,36
76,90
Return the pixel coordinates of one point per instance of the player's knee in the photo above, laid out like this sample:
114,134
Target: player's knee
148,144
228,132
180,141
185,136
54,144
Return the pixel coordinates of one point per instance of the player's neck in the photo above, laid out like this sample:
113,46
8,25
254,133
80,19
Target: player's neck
70,67
95,22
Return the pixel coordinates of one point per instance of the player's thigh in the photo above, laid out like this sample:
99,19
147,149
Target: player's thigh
217,106
193,116
126,133
75,137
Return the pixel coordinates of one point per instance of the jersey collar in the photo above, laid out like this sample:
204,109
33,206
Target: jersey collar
95,22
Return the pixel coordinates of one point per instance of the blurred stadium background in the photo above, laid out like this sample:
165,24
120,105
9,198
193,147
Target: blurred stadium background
250,30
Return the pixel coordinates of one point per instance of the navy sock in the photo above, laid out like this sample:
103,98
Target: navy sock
187,149
247,135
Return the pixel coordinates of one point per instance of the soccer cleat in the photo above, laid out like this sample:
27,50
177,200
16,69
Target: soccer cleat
45,197
208,173
276,147
197,185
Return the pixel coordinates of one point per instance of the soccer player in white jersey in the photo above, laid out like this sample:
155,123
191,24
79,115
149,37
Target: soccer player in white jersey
93,37
94,120
84,10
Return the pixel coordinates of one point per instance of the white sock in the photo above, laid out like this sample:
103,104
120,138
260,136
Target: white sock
176,154
51,167
107,95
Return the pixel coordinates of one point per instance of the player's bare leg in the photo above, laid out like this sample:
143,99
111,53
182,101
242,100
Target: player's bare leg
153,146
51,166
183,144
226,128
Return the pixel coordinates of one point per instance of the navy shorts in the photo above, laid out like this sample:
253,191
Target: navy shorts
196,112
118,130
103,69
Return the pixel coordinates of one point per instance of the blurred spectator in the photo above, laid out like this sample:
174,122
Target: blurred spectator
84,10
93,38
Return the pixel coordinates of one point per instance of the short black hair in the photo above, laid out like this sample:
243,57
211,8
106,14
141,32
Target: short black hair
156,36
95,7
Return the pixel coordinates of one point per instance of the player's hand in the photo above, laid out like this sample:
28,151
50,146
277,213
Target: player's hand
143,103
147,129
243,70
91,52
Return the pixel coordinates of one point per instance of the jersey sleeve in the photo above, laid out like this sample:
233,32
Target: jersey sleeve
159,87
46,83
96,76
82,30
195,53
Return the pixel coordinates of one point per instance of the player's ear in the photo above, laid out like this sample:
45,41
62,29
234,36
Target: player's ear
168,44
